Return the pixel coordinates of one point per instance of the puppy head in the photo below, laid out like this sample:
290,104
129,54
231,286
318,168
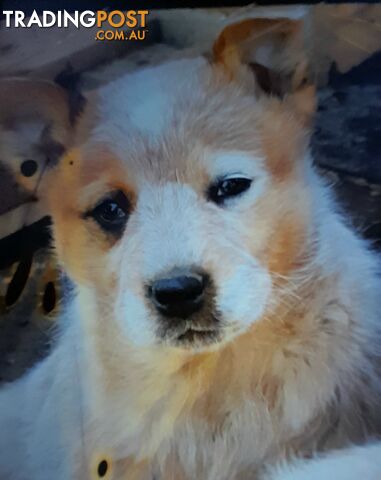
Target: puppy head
184,199
34,129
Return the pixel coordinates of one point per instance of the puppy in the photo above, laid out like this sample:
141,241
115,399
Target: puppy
225,323
34,121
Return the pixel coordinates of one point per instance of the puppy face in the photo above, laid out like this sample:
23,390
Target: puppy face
34,126
183,205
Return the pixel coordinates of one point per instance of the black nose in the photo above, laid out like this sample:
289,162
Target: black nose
180,295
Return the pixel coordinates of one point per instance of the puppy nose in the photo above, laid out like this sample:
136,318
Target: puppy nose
179,295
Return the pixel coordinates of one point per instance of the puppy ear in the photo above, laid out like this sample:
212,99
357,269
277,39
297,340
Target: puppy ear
272,52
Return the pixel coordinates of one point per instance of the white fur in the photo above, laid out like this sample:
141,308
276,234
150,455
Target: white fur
148,99
162,244
354,463
252,285
135,321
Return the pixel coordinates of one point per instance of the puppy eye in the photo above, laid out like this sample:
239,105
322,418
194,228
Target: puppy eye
111,214
226,188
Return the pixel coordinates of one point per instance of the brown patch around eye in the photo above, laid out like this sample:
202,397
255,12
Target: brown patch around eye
111,213
80,181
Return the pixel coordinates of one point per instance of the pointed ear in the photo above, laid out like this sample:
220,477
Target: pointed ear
272,52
